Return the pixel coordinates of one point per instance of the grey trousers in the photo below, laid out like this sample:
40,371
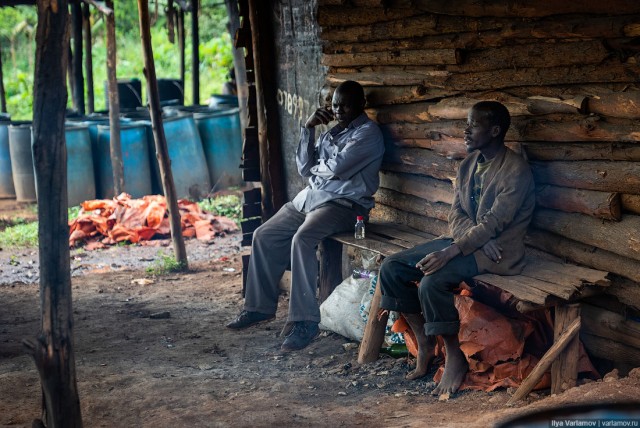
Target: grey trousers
292,236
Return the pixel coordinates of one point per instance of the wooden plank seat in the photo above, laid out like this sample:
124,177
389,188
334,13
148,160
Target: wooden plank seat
544,282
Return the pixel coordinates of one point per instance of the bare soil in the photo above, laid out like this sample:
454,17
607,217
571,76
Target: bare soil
157,355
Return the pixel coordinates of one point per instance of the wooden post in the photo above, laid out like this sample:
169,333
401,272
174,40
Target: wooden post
195,53
53,350
564,370
545,362
159,137
330,267
273,196
114,104
78,79
238,62
3,95
181,44
373,331
88,57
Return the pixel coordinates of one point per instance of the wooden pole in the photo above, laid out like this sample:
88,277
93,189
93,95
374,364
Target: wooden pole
3,95
545,362
564,370
53,350
78,80
238,62
88,58
159,137
181,44
195,53
373,331
114,104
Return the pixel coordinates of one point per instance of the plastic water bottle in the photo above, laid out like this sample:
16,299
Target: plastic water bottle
359,228
362,273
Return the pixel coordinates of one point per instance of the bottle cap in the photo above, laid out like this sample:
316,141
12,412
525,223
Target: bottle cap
359,217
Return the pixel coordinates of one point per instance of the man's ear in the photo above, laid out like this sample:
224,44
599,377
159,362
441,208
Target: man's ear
495,130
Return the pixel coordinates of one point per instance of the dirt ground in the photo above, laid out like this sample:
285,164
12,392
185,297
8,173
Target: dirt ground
157,355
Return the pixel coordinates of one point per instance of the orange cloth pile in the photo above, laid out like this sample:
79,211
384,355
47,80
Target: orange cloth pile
107,221
499,349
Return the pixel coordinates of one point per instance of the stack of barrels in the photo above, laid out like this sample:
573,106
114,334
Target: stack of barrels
204,145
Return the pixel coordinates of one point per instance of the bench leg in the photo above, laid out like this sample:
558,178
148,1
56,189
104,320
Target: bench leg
330,274
564,370
373,331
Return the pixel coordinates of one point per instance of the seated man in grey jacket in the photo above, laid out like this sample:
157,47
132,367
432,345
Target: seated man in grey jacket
492,207
342,170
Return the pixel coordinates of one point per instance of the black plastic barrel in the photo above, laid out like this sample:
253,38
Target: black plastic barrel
22,161
171,90
80,175
135,159
7,190
222,143
129,91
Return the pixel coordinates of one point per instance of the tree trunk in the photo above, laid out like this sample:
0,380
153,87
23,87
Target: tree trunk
449,147
605,176
433,226
159,137
181,46
3,95
423,187
604,205
115,148
238,62
617,104
383,95
395,57
582,151
631,203
412,204
78,79
616,237
421,161
583,254
88,58
195,53
53,350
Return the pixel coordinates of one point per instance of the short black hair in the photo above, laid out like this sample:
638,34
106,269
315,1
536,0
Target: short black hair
497,114
352,88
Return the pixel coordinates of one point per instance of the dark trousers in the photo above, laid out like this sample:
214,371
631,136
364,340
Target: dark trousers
434,295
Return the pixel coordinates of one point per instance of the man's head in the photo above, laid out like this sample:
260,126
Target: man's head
348,102
487,125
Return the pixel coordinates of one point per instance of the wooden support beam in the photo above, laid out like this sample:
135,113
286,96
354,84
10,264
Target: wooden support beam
330,274
78,78
413,204
423,187
88,57
612,151
564,370
545,362
584,254
53,350
181,45
373,331
604,176
3,94
115,148
604,205
395,57
162,152
631,203
195,54
617,237
421,161
432,226
238,62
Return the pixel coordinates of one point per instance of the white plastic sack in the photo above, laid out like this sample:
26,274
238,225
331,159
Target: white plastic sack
340,313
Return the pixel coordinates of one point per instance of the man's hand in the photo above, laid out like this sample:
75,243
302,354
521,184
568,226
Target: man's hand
321,116
437,260
492,250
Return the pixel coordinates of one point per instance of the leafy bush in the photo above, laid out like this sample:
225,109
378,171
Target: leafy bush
229,206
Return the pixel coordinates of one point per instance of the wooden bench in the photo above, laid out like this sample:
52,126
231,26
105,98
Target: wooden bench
543,283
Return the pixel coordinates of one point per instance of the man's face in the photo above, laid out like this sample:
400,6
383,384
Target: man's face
479,133
346,107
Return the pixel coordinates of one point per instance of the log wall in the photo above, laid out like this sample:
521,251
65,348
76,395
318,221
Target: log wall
567,71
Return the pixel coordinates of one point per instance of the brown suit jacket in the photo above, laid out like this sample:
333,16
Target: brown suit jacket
505,209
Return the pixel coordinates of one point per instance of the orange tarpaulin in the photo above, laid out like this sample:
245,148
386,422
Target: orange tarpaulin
107,221
498,348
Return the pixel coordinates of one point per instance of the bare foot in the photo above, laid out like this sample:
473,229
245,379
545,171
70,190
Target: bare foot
426,346
455,369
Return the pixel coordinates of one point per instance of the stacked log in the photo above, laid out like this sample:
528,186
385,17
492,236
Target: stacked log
568,72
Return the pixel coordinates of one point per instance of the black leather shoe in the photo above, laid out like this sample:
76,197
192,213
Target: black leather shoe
248,318
300,336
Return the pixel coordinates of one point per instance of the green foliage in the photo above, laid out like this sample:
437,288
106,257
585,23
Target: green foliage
73,212
20,235
229,206
164,265
17,42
